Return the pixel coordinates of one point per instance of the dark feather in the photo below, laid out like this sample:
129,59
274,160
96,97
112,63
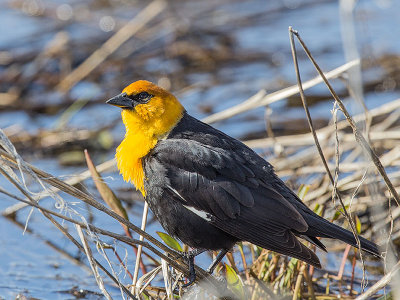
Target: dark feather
224,192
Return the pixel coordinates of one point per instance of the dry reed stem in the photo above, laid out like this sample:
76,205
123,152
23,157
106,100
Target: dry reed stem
309,284
47,214
92,263
213,285
339,276
95,229
112,44
358,135
325,133
263,99
105,192
299,281
43,238
351,166
73,180
121,238
303,98
384,281
50,179
112,201
139,252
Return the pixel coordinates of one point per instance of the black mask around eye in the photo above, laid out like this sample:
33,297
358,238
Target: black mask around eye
124,101
141,98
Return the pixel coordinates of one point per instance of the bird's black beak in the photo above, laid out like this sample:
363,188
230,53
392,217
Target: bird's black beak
121,100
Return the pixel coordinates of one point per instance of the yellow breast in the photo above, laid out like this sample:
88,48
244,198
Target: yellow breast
129,159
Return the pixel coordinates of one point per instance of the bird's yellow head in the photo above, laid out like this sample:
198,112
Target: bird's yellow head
148,108
149,114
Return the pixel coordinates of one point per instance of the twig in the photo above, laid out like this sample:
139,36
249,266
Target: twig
309,284
303,98
49,243
385,280
47,214
139,252
359,137
299,280
92,262
203,276
112,44
262,99
109,197
343,263
324,133
50,179
71,181
337,155
244,263
121,262
353,268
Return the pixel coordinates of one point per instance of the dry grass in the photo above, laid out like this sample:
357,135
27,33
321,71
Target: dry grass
267,273
359,168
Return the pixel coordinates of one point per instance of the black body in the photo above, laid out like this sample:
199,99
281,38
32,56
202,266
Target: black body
235,192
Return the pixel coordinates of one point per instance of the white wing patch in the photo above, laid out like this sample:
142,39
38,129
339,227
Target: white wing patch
200,213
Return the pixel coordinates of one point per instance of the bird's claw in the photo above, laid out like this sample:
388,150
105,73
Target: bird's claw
192,273
189,257
192,279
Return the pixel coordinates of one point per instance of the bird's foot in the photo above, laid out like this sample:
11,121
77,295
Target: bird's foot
189,257
192,273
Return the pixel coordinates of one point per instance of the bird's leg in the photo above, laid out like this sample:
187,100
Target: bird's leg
217,260
192,272
189,256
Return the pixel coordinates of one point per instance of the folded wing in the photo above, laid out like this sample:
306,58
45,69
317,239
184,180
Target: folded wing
228,191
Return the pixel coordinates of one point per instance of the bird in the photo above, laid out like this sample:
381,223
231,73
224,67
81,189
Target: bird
208,189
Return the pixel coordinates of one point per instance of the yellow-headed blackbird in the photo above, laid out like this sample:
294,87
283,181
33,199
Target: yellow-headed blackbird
208,189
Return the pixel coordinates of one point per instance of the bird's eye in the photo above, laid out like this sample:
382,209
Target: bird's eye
143,97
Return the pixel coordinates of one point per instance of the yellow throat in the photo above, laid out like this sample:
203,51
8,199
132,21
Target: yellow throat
145,124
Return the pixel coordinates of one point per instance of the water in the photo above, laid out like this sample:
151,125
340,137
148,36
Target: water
27,264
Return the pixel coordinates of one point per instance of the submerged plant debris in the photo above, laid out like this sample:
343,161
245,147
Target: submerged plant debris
230,64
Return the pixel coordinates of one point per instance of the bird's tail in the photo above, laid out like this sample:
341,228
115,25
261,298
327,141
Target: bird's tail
319,227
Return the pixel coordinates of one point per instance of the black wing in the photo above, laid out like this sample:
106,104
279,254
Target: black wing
232,186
